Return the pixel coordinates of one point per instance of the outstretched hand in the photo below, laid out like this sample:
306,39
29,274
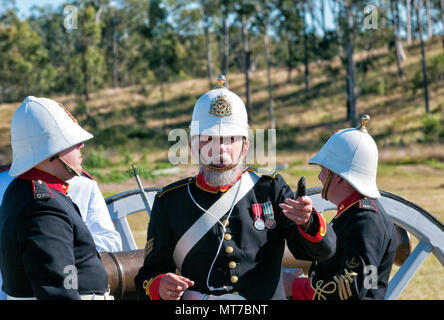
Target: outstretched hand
298,210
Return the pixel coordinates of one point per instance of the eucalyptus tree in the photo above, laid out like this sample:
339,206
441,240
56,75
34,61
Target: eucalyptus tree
417,4
264,10
245,11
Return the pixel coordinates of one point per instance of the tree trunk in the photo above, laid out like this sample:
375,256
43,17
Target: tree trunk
409,20
398,43
306,63
246,64
270,96
115,61
351,97
423,57
429,21
290,59
442,17
226,44
324,27
209,59
85,73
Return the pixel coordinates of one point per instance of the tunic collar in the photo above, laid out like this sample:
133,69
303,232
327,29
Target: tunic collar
202,184
51,180
348,202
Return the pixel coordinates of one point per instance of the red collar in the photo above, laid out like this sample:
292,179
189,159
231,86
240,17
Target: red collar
201,183
51,180
348,202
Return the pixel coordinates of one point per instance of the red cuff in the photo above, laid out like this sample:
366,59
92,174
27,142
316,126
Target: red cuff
321,232
152,287
302,289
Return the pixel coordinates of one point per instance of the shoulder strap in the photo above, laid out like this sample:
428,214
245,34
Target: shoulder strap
217,210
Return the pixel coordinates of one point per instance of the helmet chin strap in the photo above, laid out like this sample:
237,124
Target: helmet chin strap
68,167
327,184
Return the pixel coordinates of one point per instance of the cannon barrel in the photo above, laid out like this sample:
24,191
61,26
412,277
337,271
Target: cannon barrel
122,267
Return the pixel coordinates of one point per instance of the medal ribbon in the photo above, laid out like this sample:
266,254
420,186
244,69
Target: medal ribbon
257,210
268,210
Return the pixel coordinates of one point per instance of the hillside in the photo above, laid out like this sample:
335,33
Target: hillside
127,120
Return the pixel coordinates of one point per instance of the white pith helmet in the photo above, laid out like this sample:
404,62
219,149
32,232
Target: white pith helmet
219,112
353,155
41,128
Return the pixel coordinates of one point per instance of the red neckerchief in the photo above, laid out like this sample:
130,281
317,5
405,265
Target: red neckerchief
51,180
348,202
201,183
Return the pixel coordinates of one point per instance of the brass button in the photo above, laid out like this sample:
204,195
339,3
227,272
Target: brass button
225,222
232,265
236,292
234,279
227,236
229,249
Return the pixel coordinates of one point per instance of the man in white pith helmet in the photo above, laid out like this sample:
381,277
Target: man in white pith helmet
366,239
46,249
225,229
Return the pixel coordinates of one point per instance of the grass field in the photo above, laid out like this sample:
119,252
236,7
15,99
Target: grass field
131,125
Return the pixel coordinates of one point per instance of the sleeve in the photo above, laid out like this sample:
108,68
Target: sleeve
158,254
2,294
45,237
318,242
99,223
352,274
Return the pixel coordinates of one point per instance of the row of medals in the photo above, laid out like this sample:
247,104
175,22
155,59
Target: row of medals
269,223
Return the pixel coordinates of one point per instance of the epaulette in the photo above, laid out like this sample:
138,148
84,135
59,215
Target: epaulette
263,172
175,185
87,175
41,190
367,204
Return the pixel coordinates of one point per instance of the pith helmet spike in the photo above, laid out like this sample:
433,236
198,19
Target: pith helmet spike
363,127
221,81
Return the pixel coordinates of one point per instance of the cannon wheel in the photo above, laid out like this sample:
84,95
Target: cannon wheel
405,214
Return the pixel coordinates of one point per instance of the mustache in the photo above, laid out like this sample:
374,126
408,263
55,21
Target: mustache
216,159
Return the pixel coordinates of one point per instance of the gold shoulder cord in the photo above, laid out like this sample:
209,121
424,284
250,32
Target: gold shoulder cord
319,290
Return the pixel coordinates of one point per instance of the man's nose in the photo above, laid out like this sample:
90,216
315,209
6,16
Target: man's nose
222,145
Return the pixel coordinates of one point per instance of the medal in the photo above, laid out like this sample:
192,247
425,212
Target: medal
270,222
259,224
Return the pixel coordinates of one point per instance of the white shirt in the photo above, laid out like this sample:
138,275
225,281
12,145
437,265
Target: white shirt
85,193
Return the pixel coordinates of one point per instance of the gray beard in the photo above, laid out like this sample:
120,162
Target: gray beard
223,178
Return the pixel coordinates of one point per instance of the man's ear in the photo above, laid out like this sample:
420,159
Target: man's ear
246,146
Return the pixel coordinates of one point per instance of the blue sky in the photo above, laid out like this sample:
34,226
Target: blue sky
24,6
